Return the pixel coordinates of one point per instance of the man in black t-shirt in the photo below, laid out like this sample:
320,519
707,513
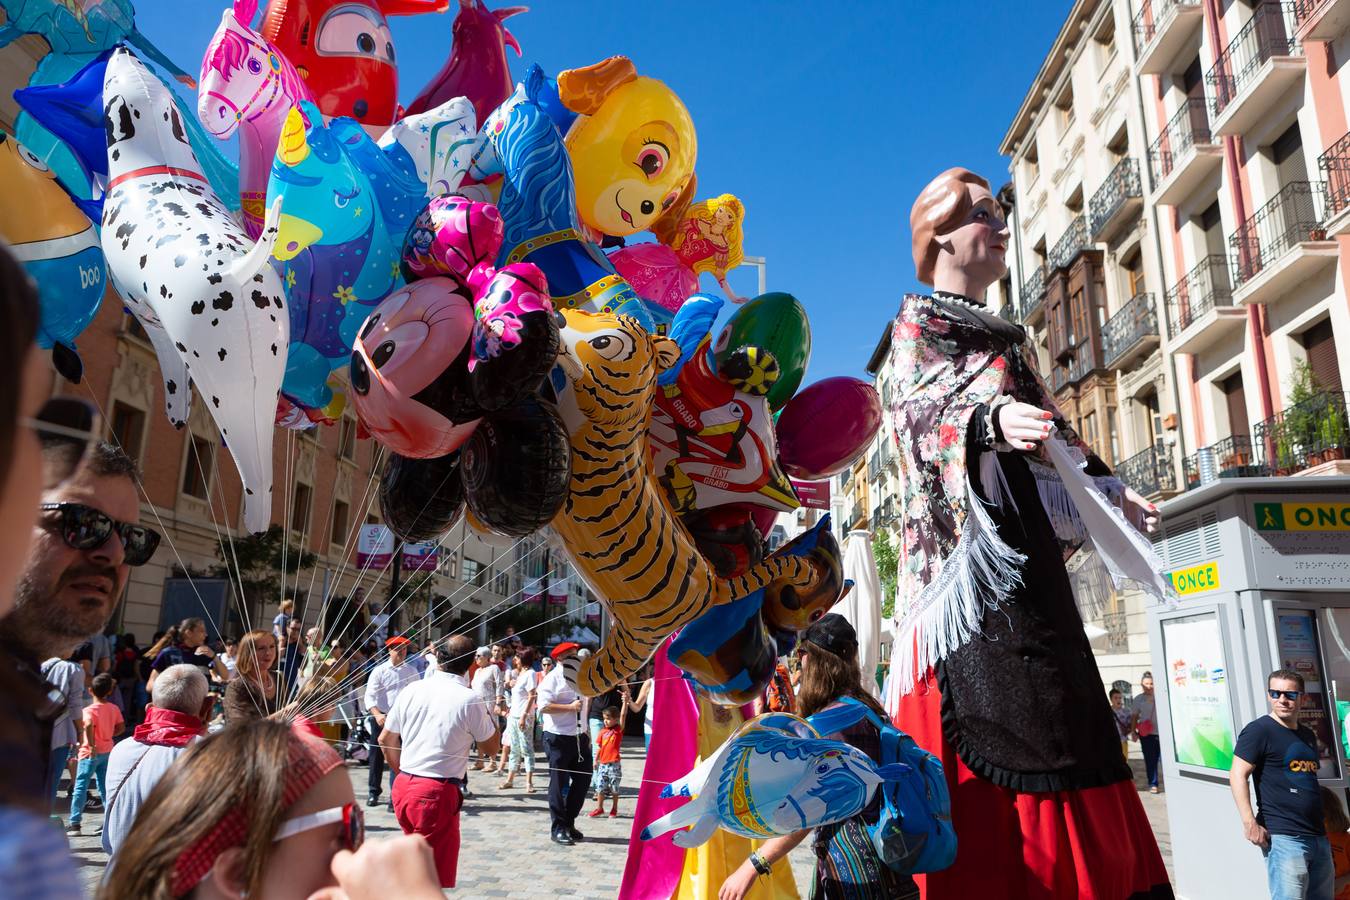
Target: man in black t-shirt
1281,756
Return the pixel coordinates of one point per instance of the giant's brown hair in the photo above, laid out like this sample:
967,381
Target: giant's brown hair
241,766
941,206
829,677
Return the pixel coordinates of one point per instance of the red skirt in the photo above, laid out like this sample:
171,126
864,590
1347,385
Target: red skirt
1092,844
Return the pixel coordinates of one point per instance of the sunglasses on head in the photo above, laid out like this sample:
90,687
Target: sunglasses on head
1288,695
65,427
349,814
85,528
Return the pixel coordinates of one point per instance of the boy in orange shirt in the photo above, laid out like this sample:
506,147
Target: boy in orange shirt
1337,825
102,723
608,771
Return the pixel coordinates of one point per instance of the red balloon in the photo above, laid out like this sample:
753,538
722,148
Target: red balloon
827,426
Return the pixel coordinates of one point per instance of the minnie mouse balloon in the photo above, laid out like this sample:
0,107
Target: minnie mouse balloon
409,370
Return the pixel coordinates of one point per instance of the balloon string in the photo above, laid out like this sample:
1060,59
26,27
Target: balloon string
154,511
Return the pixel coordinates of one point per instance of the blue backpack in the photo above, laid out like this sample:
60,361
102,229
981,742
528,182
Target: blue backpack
914,832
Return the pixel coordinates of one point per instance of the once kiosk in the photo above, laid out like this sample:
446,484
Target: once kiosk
1262,567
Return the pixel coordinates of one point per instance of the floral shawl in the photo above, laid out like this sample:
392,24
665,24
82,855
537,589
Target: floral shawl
953,565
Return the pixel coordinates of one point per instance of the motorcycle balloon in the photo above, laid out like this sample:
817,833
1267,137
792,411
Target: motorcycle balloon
728,651
765,346
823,429
517,468
421,498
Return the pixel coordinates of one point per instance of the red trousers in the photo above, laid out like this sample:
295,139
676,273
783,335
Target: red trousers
430,807
1091,844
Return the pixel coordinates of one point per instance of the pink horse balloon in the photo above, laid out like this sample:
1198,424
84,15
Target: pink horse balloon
477,67
247,85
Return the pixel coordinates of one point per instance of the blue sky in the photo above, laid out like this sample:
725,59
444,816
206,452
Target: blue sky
826,119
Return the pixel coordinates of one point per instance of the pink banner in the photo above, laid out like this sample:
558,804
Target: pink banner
421,557
374,547
813,494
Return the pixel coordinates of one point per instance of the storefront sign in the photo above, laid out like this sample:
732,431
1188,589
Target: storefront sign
374,547
1197,692
1302,516
1196,579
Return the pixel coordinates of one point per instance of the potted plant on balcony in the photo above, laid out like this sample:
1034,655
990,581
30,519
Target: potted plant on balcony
1333,430
1303,418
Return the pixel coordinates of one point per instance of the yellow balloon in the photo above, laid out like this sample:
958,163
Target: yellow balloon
633,146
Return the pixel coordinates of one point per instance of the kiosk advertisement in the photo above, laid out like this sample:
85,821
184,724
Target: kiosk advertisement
1202,714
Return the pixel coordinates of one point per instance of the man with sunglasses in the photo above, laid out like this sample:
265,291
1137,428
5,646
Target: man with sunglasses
1281,756
85,541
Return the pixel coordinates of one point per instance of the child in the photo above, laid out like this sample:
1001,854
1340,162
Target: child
1122,721
608,771
1337,825
102,723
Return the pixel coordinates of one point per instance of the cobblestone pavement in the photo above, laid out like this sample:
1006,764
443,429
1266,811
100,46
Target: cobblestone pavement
506,850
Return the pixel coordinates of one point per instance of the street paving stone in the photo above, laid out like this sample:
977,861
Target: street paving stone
505,848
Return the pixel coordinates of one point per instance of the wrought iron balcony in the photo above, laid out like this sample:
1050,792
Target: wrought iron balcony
1306,434
1132,328
1033,292
1071,243
1188,127
1336,164
1322,20
1203,288
1305,10
1162,31
1150,473
1235,456
1291,217
1269,33
1115,200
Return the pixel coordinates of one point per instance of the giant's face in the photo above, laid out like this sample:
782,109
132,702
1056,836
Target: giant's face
406,369
632,157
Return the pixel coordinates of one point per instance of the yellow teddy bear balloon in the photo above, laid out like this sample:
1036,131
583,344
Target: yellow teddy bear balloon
633,146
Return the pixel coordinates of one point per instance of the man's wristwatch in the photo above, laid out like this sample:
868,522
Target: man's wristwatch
759,863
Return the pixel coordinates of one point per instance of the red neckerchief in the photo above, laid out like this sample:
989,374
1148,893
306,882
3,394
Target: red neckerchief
168,728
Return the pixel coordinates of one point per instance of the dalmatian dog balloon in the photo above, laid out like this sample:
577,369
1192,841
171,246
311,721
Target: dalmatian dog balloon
213,306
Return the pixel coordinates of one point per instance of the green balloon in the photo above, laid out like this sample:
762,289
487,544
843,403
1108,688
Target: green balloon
772,325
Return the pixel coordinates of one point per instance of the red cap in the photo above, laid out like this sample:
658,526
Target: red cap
397,640
564,647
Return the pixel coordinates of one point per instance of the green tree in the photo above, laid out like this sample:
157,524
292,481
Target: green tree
255,563
888,569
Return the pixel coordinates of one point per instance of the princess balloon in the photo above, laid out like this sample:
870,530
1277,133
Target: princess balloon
706,237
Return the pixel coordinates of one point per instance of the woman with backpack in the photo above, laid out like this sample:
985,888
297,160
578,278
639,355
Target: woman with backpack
847,864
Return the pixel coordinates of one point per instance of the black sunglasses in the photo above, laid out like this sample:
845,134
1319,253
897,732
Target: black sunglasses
65,427
1288,695
85,528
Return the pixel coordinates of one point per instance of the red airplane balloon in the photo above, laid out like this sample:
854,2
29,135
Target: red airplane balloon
345,53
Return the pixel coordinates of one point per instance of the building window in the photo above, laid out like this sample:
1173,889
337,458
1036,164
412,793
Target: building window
1134,274
1065,105
126,427
341,513
1323,362
131,327
501,583
300,502
372,519
347,438
197,472
1079,310
1089,430
1114,434
1105,39
472,571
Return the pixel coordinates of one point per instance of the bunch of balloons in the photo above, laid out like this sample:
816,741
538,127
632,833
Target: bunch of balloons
444,270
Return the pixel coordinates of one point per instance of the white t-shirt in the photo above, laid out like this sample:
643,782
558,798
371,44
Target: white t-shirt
133,771
438,718
386,682
487,681
526,681
555,689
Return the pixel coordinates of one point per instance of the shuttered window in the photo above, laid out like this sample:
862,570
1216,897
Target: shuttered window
1237,404
1320,344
